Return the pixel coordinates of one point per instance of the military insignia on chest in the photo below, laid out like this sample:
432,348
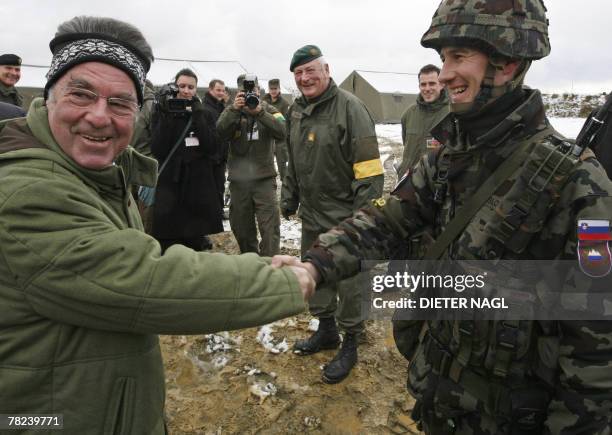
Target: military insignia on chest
311,136
594,255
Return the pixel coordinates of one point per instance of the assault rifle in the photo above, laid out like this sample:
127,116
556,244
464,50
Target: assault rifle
596,134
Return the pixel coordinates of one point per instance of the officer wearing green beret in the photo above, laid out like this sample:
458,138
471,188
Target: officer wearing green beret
10,73
334,169
274,98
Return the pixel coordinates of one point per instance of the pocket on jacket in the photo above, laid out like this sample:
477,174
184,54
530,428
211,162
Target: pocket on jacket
119,414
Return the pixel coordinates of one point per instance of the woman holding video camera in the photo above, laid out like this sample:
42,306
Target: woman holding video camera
186,206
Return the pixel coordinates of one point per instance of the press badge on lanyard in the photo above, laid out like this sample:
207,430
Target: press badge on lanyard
191,140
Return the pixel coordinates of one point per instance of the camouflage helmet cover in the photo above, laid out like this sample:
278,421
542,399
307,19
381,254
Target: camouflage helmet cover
517,29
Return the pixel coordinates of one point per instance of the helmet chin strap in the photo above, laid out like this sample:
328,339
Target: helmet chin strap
488,91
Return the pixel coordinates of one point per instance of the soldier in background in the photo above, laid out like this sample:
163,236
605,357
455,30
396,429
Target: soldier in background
332,172
141,140
493,377
251,174
274,98
10,73
418,120
214,103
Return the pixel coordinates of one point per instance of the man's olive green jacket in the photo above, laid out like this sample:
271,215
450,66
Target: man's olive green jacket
83,291
334,162
10,95
417,122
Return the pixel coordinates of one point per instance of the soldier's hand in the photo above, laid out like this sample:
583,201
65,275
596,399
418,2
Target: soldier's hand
239,101
254,112
287,260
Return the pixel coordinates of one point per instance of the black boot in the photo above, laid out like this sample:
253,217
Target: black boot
326,337
346,358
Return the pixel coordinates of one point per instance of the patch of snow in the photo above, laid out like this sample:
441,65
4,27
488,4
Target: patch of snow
313,325
267,340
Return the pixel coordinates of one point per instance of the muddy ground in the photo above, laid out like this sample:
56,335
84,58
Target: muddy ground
229,383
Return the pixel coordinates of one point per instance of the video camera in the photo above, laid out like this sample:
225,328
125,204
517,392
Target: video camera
251,99
167,101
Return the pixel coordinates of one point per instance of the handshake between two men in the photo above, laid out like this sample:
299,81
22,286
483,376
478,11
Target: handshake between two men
308,276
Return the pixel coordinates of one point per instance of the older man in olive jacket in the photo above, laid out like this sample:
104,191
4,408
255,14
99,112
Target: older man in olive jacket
334,169
83,290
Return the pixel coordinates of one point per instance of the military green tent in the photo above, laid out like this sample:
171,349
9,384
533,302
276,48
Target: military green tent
387,95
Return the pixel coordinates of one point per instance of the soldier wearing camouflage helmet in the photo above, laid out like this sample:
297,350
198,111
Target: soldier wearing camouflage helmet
503,186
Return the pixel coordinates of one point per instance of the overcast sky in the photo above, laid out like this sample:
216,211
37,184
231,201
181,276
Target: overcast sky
378,35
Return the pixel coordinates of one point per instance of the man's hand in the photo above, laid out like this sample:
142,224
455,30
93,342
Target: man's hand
294,263
239,101
305,280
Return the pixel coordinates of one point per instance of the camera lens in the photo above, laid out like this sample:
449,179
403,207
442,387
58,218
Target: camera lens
251,100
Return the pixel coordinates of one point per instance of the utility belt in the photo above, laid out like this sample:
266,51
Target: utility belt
517,410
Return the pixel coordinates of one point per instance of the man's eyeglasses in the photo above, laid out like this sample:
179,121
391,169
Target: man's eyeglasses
84,98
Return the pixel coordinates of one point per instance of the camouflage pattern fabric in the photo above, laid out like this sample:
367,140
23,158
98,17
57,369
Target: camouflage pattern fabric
470,395
517,29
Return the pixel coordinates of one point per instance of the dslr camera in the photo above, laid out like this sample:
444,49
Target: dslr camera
251,99
167,101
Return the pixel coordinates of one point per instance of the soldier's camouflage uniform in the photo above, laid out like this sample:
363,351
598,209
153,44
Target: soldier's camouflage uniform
489,378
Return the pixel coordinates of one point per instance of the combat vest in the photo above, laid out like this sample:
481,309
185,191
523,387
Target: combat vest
509,366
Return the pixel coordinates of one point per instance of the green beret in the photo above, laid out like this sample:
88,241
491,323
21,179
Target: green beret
305,55
273,83
10,60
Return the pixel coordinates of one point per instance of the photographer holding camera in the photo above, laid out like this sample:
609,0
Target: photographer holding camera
186,206
251,126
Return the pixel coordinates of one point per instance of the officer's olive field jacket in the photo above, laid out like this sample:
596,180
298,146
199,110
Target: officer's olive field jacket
334,162
83,291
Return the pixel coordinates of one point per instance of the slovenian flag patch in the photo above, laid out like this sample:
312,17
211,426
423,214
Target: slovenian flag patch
590,229
594,254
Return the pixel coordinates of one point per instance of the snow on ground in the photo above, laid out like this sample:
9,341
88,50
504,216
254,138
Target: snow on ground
568,127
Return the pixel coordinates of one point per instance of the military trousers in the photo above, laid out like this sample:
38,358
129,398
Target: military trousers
252,201
282,158
342,300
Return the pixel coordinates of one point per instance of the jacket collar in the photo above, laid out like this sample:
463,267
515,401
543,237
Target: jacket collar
309,106
434,106
212,101
523,120
7,90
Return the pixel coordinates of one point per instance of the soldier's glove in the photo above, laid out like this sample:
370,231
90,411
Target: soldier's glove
287,213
